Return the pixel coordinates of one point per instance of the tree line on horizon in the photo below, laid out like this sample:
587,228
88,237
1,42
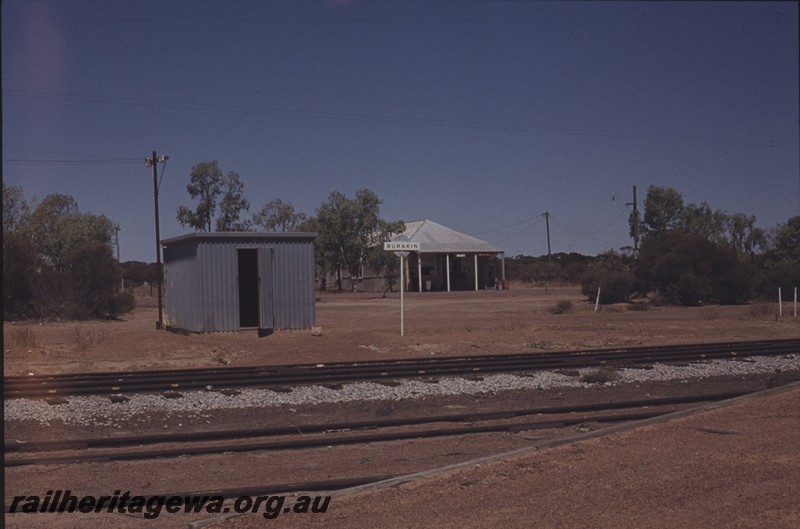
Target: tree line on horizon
689,255
350,230
58,261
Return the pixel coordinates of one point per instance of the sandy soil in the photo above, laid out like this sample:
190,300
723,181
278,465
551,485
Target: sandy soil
709,470
733,467
367,327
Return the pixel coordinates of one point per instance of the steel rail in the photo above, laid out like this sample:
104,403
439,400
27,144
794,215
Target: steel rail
733,347
205,436
265,376
88,444
322,442
190,374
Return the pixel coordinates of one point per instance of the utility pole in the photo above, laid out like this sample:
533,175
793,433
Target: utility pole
153,162
116,237
635,224
633,220
547,223
549,257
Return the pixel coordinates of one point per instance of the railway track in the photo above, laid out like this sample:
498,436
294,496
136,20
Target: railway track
342,372
93,450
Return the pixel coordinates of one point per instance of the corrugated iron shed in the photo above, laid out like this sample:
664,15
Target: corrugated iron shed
227,281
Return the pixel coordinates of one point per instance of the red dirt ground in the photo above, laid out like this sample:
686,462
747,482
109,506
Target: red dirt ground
735,466
367,327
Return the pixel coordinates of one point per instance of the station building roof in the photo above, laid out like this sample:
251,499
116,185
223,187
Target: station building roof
436,238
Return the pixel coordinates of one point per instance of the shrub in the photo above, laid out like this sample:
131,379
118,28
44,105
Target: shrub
564,306
733,286
692,290
121,303
83,341
19,267
770,280
94,274
23,338
615,286
52,295
684,268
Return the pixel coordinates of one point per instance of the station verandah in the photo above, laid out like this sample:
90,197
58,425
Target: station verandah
446,272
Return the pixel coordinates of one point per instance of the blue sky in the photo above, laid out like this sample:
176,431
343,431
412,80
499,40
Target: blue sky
477,115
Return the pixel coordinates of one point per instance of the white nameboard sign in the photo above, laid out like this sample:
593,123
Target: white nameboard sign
401,246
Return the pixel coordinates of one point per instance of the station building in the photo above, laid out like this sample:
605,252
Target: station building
449,260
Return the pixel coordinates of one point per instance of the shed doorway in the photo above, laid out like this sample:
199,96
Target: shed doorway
248,288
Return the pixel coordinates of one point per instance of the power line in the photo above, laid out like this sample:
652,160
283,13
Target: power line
92,156
507,226
390,118
534,223
35,161
588,234
578,232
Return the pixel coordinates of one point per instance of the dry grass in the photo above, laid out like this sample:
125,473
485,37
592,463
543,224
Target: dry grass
761,311
23,338
543,345
782,378
639,306
83,341
711,313
514,325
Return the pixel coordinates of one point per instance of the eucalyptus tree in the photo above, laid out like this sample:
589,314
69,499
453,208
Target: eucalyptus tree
278,216
219,197
350,229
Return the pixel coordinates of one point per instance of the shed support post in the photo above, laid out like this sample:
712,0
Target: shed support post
476,272
503,265
419,270
448,272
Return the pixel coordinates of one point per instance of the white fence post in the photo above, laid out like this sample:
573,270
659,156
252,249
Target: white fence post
780,304
597,301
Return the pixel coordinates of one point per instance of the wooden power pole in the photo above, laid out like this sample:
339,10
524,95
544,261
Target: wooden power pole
549,257
635,225
153,162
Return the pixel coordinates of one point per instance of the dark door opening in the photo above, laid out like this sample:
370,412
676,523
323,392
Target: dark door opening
456,274
248,288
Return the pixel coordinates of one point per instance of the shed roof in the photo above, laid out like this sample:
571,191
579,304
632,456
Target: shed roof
435,238
217,235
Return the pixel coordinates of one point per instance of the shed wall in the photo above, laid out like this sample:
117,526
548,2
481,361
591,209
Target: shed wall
293,283
219,270
203,293
182,299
